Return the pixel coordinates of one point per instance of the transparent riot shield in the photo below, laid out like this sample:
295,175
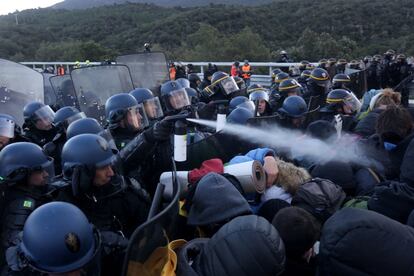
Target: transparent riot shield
148,251
148,70
264,121
64,90
19,85
95,84
358,83
406,88
50,95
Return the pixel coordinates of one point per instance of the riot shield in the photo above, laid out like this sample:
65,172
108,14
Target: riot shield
95,84
50,95
148,70
264,121
406,88
148,250
19,85
358,83
64,90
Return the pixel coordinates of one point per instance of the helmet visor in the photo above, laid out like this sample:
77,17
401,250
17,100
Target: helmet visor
353,103
106,134
136,117
7,127
178,99
259,95
45,114
229,85
153,108
248,105
75,117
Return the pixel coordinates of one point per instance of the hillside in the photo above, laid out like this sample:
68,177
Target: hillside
305,28
82,4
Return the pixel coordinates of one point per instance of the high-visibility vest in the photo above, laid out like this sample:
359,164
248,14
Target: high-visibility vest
246,71
172,73
61,71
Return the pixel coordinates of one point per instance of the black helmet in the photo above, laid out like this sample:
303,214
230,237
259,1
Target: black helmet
343,97
281,77
331,61
240,116
88,150
389,52
290,86
401,57
66,115
7,126
221,81
275,72
151,104
58,238
254,87
18,160
341,78
34,111
183,82
193,78
320,77
377,58
342,61
294,107
323,62
118,106
306,73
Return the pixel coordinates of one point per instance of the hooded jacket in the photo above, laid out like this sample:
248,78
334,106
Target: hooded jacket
228,253
360,243
216,200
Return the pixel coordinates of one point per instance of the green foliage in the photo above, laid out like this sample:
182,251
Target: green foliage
307,29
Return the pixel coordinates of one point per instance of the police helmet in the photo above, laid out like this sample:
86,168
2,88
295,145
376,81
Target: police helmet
294,107
118,106
58,238
86,150
343,97
66,115
18,160
240,116
174,96
35,111
320,76
290,86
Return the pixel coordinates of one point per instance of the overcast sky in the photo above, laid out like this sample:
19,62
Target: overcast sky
7,6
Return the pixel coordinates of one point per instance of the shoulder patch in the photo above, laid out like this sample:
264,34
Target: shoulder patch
27,204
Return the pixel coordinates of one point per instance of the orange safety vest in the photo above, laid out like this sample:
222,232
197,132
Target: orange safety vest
246,71
61,71
172,73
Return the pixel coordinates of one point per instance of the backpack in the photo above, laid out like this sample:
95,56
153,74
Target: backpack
320,197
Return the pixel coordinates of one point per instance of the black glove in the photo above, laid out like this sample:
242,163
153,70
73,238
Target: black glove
112,241
82,179
161,131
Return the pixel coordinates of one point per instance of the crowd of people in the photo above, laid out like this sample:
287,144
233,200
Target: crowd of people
74,190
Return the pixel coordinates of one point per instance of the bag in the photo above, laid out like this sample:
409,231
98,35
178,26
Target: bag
320,197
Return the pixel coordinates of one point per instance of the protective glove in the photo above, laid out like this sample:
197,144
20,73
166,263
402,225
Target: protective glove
161,131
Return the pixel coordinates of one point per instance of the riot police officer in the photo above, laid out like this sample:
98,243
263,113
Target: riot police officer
340,81
24,176
63,118
112,202
38,123
293,112
223,87
57,239
317,88
287,88
374,73
344,103
150,103
10,132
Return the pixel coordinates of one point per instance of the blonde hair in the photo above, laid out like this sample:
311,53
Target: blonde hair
388,97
